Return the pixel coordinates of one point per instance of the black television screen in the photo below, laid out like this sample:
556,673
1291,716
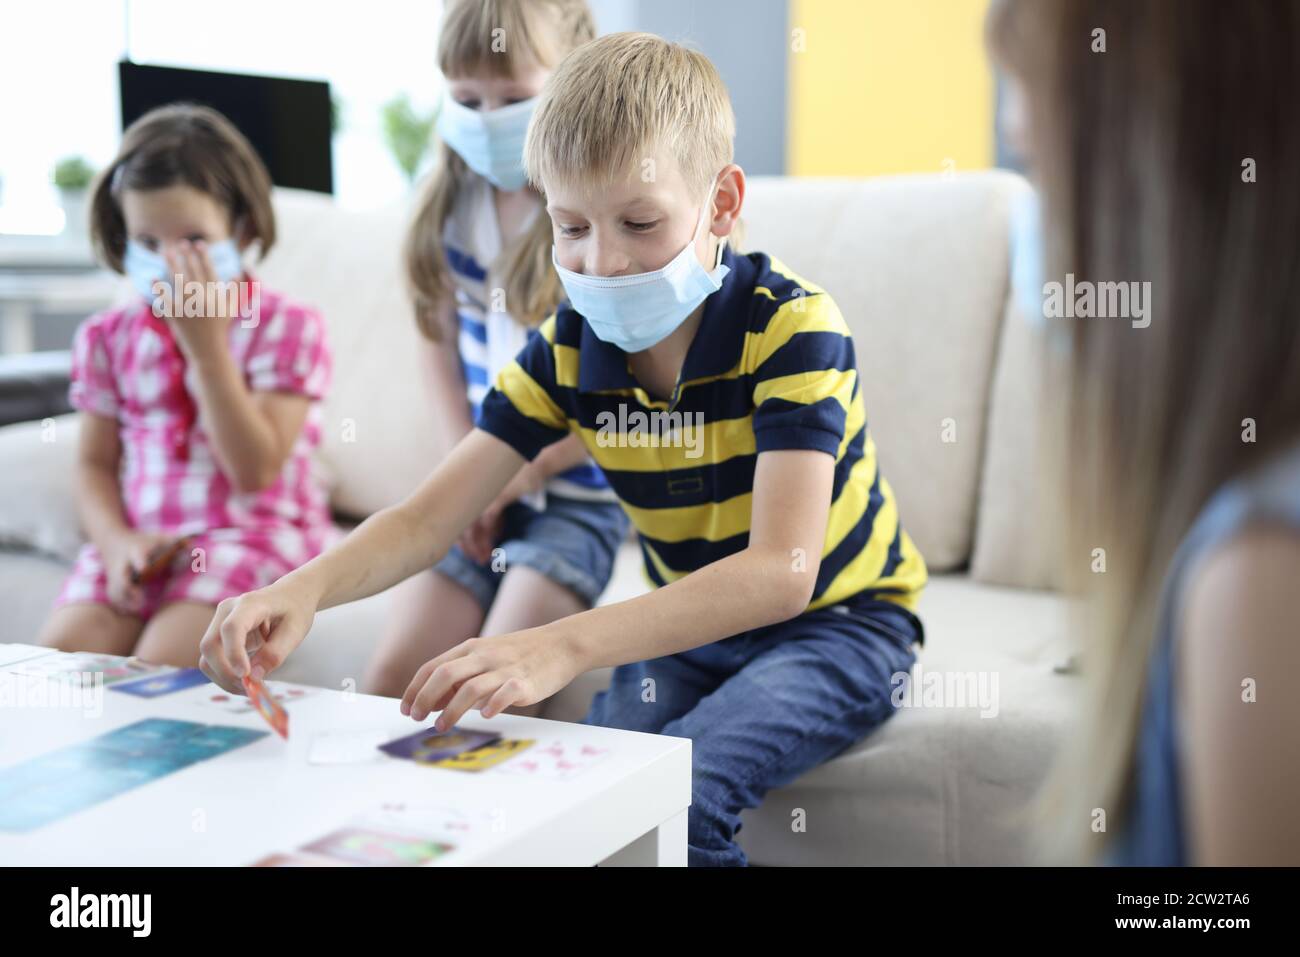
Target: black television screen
287,121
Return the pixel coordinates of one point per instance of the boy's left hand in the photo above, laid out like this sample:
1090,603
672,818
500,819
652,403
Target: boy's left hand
481,536
202,335
491,674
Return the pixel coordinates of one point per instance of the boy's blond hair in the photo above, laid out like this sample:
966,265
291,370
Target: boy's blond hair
614,101
534,31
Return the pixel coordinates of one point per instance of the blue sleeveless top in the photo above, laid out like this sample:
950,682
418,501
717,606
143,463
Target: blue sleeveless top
1154,834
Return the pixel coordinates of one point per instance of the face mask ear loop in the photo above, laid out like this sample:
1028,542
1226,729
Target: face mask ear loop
722,240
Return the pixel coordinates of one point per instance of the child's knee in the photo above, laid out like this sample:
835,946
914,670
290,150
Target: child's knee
621,706
90,628
169,650
173,641
64,639
57,634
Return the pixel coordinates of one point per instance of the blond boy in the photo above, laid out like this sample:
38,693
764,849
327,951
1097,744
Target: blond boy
782,611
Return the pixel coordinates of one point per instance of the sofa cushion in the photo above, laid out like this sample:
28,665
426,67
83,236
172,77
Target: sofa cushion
30,583
925,318
1018,535
38,502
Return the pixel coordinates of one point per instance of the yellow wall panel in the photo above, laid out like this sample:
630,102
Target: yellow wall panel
888,86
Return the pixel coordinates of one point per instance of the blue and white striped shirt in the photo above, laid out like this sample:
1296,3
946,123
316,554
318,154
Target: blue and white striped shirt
490,338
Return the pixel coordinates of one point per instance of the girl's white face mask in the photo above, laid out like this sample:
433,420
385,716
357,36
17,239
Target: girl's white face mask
144,267
636,312
491,142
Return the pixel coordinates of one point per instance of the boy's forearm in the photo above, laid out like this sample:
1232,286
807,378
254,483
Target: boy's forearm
748,590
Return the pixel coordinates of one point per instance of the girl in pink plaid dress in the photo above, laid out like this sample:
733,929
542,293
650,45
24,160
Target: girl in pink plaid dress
199,412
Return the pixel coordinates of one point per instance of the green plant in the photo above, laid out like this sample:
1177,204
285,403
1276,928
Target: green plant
73,173
407,133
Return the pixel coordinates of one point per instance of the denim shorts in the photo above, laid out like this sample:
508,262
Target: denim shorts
765,706
573,543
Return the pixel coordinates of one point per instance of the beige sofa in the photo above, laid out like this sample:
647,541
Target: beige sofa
950,378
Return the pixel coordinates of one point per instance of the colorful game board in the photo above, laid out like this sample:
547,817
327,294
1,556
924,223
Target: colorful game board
52,786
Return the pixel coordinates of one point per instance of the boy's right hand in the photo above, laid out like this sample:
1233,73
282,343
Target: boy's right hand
254,634
124,556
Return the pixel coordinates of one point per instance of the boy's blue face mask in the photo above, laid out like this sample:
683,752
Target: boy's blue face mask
636,312
491,142
144,267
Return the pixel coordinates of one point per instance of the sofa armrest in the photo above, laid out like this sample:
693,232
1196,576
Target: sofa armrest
34,386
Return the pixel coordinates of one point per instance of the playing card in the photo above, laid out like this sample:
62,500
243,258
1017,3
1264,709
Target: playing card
486,756
267,707
355,845
62,782
159,559
239,704
556,759
156,685
429,746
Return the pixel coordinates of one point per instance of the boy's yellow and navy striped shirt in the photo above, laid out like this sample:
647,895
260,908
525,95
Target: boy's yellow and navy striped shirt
771,367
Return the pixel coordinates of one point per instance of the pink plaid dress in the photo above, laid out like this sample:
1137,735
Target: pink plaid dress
125,367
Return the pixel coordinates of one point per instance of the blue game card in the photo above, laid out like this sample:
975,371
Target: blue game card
51,786
157,685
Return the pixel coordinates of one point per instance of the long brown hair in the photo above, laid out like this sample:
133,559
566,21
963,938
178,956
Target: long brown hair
542,32
191,145
1165,149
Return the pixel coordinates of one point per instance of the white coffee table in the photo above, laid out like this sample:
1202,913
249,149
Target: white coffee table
629,808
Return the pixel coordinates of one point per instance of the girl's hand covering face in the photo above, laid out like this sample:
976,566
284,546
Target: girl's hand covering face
198,335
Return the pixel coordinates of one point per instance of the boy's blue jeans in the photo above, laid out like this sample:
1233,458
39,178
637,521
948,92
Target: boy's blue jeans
764,706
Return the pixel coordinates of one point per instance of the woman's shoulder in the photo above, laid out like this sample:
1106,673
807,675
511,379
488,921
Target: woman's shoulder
1247,529
1218,614
1235,635
1266,495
